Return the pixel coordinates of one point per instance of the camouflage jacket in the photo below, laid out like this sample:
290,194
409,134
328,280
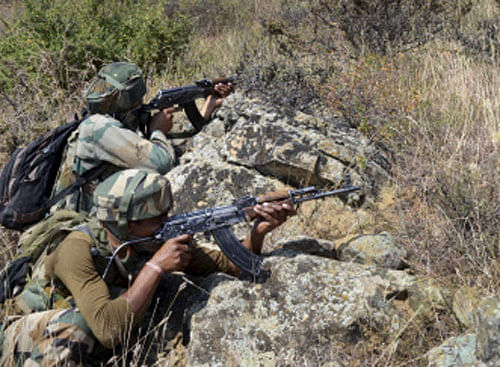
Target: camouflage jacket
103,139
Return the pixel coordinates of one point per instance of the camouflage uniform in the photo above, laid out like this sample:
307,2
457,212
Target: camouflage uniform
109,135
102,318
103,139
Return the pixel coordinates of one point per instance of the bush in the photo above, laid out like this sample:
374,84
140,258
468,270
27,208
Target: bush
381,26
58,44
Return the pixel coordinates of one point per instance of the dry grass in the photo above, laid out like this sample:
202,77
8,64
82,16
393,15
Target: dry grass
448,154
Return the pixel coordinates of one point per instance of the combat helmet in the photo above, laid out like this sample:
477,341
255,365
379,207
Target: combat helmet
131,195
118,87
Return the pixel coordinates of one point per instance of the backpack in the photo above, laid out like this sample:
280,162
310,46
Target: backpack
27,180
33,243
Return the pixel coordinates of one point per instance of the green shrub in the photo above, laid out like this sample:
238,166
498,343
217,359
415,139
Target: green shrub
57,43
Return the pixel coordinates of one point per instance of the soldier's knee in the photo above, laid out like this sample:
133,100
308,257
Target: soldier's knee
51,338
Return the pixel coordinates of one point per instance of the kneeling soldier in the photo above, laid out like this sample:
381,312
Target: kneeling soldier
130,204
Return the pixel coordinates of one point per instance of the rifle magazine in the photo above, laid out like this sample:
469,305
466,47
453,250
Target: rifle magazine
236,252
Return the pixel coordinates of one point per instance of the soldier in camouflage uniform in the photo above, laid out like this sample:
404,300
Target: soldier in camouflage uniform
111,133
103,306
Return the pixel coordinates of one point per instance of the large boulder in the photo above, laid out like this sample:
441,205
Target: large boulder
301,149
304,313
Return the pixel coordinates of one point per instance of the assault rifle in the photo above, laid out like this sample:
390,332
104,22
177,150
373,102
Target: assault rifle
184,98
217,222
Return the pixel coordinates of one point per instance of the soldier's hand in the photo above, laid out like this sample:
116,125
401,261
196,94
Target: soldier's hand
163,120
271,215
223,91
174,255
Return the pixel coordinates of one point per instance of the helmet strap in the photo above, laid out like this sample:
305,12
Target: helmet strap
125,204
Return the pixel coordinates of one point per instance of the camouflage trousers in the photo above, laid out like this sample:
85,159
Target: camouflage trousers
47,338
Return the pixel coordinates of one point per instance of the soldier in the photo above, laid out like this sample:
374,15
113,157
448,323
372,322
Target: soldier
110,133
130,204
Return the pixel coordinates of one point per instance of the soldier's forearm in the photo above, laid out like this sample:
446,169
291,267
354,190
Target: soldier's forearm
140,293
209,107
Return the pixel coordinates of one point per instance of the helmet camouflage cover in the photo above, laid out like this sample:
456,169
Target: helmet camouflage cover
131,195
117,88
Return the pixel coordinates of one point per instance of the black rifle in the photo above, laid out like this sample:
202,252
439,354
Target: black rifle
185,96
218,221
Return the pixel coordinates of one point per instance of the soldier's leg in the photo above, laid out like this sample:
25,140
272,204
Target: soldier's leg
49,338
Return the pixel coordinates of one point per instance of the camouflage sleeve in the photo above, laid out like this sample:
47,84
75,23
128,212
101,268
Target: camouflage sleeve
72,263
102,138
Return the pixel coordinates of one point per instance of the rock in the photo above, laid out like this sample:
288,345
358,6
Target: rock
454,352
302,314
465,302
379,249
204,184
488,330
480,346
426,295
299,150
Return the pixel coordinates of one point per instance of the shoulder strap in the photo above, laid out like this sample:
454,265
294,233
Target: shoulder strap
80,180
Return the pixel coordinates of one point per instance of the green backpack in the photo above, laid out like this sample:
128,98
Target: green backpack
33,243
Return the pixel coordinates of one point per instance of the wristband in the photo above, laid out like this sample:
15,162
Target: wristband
155,268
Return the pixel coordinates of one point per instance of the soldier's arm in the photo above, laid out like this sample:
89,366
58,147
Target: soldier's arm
213,102
104,139
270,216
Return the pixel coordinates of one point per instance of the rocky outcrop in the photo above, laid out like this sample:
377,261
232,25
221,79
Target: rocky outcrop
299,150
320,294
304,313
251,148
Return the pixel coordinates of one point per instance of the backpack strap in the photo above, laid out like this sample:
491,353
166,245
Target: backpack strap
95,251
80,180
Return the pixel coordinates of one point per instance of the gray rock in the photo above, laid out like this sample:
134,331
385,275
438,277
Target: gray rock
488,330
480,346
199,184
203,184
301,315
379,249
300,150
426,295
456,352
